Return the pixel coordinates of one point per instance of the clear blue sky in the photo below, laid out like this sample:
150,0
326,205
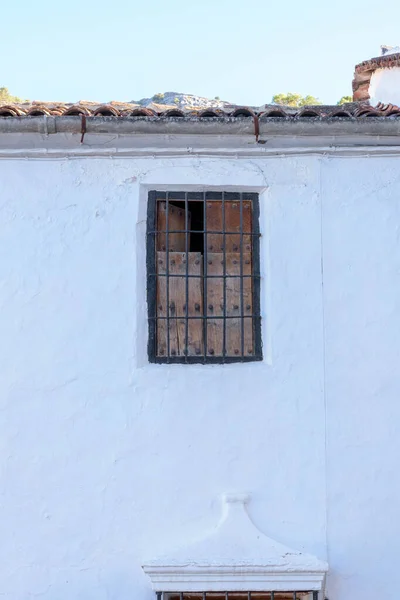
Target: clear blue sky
242,51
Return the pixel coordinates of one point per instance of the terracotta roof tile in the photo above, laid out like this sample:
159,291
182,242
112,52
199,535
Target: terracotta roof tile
242,111
106,110
11,110
173,112
388,110
308,113
379,62
140,112
78,109
274,113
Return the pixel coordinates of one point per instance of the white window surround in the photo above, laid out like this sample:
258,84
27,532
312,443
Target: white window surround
236,556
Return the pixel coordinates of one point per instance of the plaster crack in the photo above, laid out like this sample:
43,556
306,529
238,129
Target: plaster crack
61,385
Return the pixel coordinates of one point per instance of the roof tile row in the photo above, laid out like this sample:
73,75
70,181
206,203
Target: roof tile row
118,109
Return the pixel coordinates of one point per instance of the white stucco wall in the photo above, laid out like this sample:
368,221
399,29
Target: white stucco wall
107,460
361,233
385,86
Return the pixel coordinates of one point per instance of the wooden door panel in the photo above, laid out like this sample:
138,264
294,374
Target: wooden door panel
215,241
177,303
233,296
176,222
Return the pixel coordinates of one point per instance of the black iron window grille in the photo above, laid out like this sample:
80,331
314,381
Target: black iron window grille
203,277
299,595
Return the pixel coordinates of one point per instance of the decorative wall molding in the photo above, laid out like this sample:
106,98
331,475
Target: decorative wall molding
346,150
236,556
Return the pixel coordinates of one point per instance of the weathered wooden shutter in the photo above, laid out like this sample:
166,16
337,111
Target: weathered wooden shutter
235,325
176,224
179,309
237,296
172,302
215,241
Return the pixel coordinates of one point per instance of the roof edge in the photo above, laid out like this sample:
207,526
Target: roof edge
368,124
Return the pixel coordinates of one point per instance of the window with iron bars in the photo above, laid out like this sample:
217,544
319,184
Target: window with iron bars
300,595
203,277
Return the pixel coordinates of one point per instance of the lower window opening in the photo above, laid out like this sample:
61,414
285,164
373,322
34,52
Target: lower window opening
270,595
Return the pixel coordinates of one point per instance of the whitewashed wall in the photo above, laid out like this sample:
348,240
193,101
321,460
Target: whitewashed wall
107,460
385,86
361,237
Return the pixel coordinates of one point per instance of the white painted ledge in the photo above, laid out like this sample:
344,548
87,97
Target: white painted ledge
236,556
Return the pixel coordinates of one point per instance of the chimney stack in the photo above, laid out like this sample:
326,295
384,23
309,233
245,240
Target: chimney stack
378,79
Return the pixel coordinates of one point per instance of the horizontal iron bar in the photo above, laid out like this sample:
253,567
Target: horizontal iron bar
202,317
209,196
208,231
202,359
183,275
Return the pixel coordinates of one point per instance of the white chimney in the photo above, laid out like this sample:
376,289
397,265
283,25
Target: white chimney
378,79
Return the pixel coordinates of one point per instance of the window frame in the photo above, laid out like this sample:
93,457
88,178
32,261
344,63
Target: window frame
151,276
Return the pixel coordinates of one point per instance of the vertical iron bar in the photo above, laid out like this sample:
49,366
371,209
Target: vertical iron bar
255,266
272,595
205,299
294,595
167,269
159,595
248,595
224,279
315,595
151,264
241,276
186,351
